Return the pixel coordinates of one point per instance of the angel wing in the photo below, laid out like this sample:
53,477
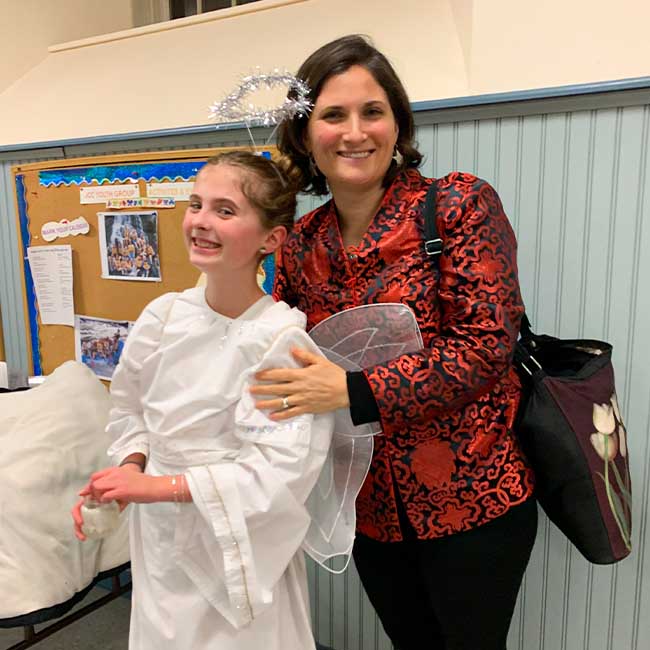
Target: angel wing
356,338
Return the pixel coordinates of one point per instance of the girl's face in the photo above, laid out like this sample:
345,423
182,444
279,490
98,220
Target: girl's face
222,230
352,131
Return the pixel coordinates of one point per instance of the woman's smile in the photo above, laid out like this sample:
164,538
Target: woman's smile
355,155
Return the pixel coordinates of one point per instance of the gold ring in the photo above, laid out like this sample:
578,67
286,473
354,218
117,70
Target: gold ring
285,402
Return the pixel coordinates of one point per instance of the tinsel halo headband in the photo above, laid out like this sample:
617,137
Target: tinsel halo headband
234,109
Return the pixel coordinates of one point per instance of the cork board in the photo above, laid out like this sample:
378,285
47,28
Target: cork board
51,191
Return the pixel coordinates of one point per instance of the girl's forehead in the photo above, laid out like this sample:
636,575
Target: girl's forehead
220,170
220,176
225,182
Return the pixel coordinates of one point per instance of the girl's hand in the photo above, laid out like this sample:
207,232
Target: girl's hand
320,386
78,519
125,484
99,494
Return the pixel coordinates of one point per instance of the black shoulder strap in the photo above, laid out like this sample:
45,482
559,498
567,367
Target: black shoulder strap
432,241
526,329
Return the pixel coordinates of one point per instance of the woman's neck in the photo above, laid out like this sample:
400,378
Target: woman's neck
230,298
356,209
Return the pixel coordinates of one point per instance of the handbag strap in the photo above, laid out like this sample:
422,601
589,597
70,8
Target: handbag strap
526,330
432,241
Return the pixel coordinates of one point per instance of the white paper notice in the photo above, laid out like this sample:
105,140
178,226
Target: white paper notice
51,268
103,193
178,191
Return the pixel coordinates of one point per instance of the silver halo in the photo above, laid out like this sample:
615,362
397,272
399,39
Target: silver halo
233,108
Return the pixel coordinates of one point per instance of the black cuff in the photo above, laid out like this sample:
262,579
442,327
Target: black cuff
363,407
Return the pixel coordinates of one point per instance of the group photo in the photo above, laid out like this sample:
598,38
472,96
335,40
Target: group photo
99,343
129,247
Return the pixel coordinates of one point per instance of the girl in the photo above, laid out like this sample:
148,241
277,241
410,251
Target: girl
219,488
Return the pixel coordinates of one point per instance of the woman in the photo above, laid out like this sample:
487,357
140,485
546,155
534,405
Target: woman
446,522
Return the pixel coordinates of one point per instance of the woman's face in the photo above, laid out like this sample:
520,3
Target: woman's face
352,131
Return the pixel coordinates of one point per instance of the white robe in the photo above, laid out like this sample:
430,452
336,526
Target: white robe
224,572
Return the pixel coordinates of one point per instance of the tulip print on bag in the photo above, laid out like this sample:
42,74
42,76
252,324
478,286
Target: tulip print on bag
610,444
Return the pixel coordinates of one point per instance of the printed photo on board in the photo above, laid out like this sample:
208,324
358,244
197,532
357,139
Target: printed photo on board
128,243
99,343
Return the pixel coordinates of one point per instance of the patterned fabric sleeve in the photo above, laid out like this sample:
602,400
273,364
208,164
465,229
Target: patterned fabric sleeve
480,311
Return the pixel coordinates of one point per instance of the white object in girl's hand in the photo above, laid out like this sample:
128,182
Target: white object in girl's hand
100,519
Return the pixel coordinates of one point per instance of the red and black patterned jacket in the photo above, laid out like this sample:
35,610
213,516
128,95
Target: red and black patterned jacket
446,411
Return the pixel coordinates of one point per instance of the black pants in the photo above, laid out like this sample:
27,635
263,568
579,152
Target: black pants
453,593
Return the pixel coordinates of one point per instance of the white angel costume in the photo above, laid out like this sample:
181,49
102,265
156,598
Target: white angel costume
224,571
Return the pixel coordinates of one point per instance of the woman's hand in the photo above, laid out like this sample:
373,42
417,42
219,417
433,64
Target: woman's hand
320,386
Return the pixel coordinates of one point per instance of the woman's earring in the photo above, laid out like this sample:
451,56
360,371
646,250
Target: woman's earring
312,166
263,250
397,157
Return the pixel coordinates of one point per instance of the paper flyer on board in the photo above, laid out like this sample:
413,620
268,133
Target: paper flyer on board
101,194
51,268
177,190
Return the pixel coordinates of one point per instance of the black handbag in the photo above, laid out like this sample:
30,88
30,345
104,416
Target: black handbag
570,428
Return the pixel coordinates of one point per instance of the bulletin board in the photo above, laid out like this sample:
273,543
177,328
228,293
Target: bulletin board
51,191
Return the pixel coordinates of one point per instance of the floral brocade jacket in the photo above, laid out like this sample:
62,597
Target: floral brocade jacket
447,411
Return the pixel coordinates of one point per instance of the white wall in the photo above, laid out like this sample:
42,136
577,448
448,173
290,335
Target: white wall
167,78
30,26
557,42
166,75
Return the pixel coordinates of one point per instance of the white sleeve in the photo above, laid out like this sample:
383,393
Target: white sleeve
125,422
254,505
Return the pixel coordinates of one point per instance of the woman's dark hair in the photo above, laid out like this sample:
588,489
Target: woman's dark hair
268,186
332,59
